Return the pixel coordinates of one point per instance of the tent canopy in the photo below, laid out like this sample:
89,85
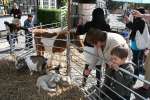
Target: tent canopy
134,1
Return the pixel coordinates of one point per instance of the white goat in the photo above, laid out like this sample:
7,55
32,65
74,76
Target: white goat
34,63
52,81
48,82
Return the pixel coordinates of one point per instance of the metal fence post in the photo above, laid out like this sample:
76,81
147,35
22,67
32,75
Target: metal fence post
40,25
12,41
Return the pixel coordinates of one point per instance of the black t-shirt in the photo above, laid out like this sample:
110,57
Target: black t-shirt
16,13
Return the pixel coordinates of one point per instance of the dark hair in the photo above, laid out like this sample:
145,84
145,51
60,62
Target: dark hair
138,24
120,52
98,16
94,35
98,20
29,15
98,12
141,10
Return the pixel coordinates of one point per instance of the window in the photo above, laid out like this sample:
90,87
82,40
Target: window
53,3
45,6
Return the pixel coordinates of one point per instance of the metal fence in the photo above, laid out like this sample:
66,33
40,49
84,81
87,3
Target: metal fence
98,90
75,63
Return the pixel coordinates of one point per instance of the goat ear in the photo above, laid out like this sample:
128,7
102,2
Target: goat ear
6,23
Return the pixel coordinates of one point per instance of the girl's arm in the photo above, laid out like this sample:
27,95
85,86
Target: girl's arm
138,14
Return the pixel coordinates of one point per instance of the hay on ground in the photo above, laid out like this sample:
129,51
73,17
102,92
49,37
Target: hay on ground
21,86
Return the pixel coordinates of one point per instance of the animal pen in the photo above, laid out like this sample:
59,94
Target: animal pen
21,86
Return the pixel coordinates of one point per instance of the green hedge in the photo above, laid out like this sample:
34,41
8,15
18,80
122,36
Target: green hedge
48,16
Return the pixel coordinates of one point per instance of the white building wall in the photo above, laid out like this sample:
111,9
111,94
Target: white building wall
41,3
49,4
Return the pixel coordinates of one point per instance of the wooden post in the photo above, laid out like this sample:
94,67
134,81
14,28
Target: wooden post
68,38
69,14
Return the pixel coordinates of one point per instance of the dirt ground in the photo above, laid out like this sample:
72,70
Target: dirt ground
16,85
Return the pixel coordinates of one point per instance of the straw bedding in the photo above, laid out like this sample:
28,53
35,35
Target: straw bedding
16,85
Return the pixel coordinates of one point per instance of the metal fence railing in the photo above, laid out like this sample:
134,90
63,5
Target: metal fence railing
79,70
75,66
13,37
76,63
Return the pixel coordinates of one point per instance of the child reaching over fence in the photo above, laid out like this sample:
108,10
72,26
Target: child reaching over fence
28,33
103,44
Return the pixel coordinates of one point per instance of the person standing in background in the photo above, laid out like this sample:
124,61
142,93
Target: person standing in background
28,33
16,12
146,87
137,24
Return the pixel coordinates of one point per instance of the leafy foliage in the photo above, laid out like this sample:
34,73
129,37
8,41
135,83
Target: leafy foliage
61,3
47,16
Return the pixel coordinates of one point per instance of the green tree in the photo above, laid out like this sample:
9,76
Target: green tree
61,3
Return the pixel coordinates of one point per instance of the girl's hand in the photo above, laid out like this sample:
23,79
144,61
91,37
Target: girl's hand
146,52
85,76
87,72
136,13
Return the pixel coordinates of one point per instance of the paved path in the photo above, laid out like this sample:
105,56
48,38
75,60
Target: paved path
115,22
19,47
9,19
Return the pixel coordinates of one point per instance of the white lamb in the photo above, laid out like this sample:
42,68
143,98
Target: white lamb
52,81
48,82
